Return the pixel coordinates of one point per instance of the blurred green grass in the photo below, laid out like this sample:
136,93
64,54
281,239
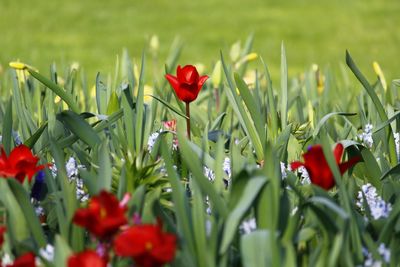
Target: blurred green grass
93,32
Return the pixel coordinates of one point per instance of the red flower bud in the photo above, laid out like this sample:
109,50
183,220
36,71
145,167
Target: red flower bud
87,258
187,83
318,168
103,217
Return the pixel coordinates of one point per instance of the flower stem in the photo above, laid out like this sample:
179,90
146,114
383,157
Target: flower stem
188,120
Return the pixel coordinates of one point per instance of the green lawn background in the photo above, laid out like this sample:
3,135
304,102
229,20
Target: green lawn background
93,32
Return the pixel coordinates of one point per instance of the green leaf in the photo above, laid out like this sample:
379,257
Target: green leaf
62,252
30,216
7,128
18,224
101,95
175,110
79,127
256,250
105,167
326,117
271,103
252,188
35,137
243,116
284,87
378,106
58,90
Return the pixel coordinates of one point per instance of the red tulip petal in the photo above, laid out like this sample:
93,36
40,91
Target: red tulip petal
173,81
295,165
188,74
202,80
25,260
344,166
338,152
87,258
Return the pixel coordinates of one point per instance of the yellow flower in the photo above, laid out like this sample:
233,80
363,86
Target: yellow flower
147,91
18,65
246,58
379,72
216,75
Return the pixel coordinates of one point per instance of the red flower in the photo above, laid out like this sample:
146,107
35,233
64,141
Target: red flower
19,164
318,168
187,83
146,244
2,231
103,216
87,258
26,260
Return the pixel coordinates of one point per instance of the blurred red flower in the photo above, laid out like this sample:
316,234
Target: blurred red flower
187,83
20,163
25,260
146,244
87,258
318,168
2,231
103,217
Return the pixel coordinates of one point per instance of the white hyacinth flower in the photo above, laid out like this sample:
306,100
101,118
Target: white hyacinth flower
397,142
47,252
209,173
152,140
248,226
305,177
378,207
366,136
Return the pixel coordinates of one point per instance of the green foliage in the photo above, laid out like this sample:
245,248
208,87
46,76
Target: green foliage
206,190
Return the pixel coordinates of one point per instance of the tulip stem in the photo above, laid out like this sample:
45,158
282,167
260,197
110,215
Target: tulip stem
188,120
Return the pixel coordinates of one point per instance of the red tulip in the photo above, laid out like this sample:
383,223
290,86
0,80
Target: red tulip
318,168
187,83
2,231
26,260
146,244
103,217
87,258
19,164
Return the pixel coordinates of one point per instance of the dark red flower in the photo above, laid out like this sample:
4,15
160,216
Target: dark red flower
318,168
19,164
25,260
87,258
187,83
146,244
103,216
2,231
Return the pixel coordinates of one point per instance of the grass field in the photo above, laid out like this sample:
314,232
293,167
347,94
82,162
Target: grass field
94,32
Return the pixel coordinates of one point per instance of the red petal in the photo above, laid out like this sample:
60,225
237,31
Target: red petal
25,260
173,81
87,258
188,74
201,81
295,165
344,166
338,152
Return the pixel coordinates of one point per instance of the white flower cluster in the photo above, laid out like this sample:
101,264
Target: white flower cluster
248,226
285,169
73,176
152,140
226,167
366,136
47,252
397,142
371,262
209,173
378,207
305,177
